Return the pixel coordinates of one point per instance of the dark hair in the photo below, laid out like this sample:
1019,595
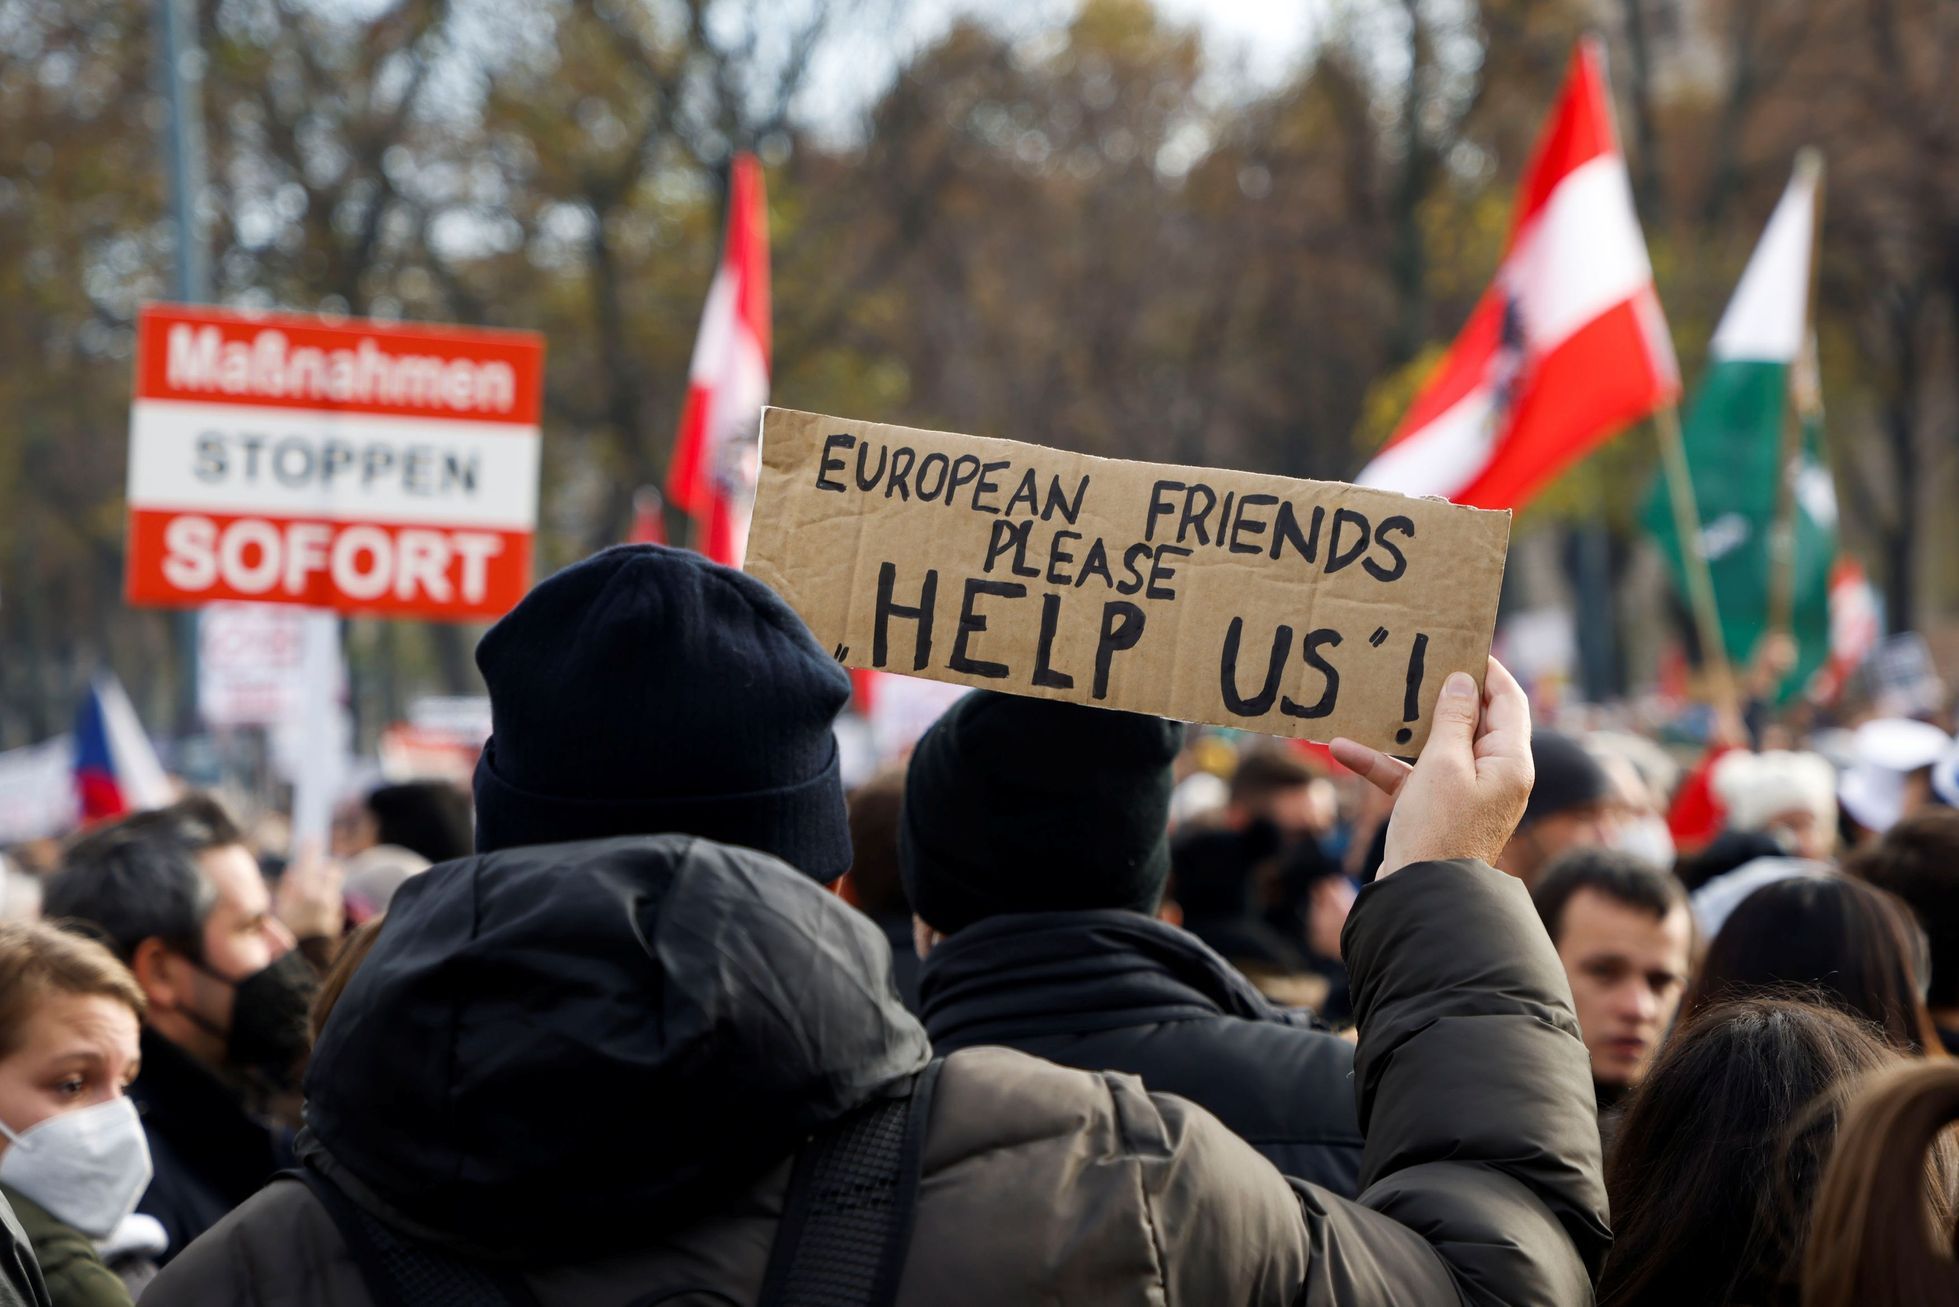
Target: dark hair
1622,877
431,818
353,951
1720,1150
1828,939
873,882
1918,860
1886,1197
137,878
1726,852
1265,771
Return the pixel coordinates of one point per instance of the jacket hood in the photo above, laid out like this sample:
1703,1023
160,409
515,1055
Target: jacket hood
1043,973
551,1049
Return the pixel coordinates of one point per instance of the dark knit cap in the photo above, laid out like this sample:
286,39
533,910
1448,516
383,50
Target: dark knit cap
1033,805
647,691
1567,777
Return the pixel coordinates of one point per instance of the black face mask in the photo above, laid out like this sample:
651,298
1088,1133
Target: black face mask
268,1033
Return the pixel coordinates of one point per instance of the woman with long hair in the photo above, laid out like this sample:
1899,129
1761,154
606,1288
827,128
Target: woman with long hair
1720,1152
1887,1198
1829,939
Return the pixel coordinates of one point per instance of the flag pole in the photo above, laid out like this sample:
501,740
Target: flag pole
1700,581
1797,406
1782,532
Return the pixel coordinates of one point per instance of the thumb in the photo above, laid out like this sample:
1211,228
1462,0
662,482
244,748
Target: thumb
1456,712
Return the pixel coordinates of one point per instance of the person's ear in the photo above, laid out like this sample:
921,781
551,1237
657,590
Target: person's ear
155,969
923,937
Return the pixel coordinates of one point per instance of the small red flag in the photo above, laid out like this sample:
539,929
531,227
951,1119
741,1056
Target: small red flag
648,529
716,456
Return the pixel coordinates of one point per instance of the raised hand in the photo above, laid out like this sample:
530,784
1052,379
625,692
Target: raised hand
1465,794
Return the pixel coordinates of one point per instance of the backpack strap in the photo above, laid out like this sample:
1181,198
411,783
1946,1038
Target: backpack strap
847,1220
404,1272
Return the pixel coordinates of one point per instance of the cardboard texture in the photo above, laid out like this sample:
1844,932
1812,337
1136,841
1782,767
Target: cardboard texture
1296,608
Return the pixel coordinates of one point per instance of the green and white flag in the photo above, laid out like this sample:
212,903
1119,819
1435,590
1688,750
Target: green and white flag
1760,361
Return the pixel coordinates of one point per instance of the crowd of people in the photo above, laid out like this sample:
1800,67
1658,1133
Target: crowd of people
1070,1005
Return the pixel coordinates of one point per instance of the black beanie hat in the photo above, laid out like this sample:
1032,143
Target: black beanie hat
1034,805
648,691
1567,777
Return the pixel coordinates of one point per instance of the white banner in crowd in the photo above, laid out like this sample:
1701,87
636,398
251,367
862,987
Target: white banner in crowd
37,791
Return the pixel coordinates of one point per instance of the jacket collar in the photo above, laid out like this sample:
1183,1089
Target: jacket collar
203,1119
1043,973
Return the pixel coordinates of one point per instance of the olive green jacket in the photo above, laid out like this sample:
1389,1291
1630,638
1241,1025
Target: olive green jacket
75,1275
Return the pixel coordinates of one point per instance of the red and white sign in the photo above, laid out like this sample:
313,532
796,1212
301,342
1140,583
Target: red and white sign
338,463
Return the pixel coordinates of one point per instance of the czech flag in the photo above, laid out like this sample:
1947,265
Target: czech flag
116,770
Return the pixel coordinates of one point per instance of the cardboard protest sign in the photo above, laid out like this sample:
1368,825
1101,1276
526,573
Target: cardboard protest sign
1299,608
336,463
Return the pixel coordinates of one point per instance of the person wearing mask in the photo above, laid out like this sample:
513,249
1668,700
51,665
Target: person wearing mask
1918,860
1284,811
1272,784
681,1020
73,1159
1887,1196
1623,931
1838,939
180,900
1714,1172
1571,807
1034,845
1639,773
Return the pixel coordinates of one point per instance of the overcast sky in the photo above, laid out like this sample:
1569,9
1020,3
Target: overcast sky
1255,41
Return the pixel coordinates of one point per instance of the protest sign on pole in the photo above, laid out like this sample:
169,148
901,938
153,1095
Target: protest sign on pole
1297,608
320,729
335,463
251,669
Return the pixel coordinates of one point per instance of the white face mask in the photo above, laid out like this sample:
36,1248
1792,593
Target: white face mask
87,1167
1647,837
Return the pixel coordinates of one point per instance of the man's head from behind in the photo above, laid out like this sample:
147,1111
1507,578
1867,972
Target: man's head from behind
1625,936
874,884
648,691
1571,806
1019,805
181,901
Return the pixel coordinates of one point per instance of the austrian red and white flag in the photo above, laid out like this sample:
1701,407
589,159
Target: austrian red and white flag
1566,347
717,455
1856,625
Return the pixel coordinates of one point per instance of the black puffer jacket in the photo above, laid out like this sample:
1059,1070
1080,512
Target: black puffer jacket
208,1151
1118,991
598,1059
